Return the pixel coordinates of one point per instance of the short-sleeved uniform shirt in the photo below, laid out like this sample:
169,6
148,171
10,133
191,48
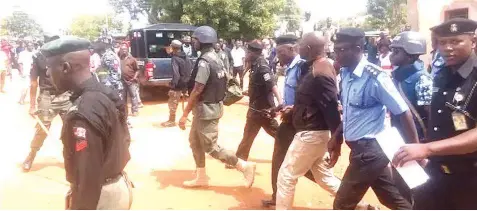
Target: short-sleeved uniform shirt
366,92
261,84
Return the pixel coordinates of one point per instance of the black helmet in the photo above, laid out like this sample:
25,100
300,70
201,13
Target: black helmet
205,34
412,42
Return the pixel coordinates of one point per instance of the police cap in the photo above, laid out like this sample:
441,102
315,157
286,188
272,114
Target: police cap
454,27
351,35
286,39
255,45
64,45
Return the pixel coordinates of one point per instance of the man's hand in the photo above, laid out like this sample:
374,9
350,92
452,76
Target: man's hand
32,111
286,113
334,148
182,122
410,152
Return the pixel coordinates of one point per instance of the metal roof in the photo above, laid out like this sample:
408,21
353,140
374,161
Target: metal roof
170,27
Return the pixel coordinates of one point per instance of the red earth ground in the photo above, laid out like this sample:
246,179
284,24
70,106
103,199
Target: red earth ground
161,161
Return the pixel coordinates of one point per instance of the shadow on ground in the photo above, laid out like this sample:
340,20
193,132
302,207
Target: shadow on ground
246,197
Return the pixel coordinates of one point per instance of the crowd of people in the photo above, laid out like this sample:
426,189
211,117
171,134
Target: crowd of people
330,97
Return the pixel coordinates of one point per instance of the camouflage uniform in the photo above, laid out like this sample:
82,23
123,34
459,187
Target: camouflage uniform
109,73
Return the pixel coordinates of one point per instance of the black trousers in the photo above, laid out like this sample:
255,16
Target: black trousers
283,140
252,127
368,167
456,191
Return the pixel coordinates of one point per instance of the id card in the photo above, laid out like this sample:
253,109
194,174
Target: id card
460,122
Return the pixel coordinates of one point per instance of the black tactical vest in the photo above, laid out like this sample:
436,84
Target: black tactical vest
215,88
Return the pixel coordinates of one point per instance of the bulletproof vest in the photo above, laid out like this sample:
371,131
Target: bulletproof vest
448,88
215,88
409,89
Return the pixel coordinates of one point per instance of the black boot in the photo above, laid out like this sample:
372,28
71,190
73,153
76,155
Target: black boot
29,161
171,122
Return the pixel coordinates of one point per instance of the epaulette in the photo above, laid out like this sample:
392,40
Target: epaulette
373,70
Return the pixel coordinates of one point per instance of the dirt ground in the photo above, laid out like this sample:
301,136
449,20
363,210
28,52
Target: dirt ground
161,161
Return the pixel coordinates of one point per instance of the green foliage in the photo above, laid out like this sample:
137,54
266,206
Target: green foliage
90,26
20,24
292,14
232,18
387,14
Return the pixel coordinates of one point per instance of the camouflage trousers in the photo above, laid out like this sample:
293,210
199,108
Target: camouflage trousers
49,106
173,102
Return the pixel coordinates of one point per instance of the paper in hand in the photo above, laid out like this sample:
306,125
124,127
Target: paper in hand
390,141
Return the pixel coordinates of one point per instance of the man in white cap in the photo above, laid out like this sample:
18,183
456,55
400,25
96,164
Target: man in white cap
181,69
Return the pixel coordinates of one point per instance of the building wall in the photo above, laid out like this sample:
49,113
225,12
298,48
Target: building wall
424,14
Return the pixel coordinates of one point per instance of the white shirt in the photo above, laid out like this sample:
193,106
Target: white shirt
26,59
187,50
386,63
238,54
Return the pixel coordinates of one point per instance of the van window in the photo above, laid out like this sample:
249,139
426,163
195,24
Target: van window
158,42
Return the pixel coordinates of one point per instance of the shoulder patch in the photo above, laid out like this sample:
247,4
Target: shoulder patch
373,70
202,63
267,77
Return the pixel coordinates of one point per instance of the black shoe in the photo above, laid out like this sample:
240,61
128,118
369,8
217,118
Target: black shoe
28,162
268,203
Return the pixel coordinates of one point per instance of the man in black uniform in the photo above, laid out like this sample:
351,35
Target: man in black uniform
95,135
50,103
452,131
262,88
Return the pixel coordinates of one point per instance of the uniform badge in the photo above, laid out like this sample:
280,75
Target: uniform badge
267,77
79,132
454,28
460,123
458,97
81,145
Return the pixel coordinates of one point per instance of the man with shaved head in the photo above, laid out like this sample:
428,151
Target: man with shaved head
94,134
315,117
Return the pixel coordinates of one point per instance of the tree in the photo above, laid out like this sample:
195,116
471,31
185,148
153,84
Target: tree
90,26
20,24
292,14
387,14
232,18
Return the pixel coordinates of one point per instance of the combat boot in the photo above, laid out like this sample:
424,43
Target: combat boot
248,170
200,180
29,161
171,122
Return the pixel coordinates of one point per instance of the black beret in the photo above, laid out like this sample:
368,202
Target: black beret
286,39
456,26
353,35
255,45
64,45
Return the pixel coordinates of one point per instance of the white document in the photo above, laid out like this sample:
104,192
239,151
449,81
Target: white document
390,141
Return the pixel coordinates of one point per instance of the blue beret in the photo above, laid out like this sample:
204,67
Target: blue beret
456,26
286,39
64,45
350,35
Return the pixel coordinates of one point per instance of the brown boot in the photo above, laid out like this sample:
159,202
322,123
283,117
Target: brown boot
29,161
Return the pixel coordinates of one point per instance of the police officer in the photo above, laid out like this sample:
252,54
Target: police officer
451,144
366,92
94,134
262,88
181,69
50,103
207,89
414,85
